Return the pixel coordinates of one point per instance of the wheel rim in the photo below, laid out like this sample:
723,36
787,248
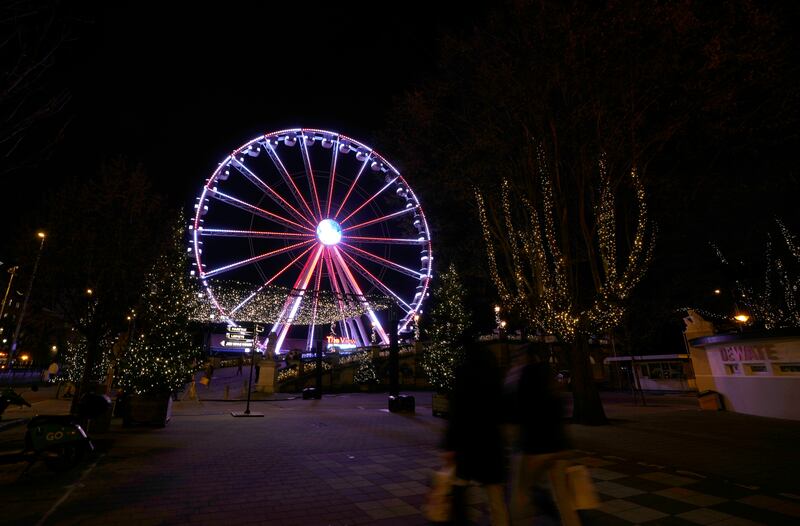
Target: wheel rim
320,212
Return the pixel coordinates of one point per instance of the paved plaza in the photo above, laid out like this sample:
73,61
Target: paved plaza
345,459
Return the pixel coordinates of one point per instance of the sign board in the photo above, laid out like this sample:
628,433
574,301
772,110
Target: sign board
335,342
238,337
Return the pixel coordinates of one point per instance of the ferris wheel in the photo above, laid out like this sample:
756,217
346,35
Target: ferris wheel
311,212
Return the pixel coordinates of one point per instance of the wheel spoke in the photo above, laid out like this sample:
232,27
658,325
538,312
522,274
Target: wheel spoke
270,280
332,177
254,259
312,184
315,302
381,219
349,298
359,295
353,185
375,281
368,201
273,154
238,203
340,297
275,196
222,232
384,262
386,240
295,298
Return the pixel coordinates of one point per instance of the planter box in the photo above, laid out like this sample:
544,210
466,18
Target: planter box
440,404
148,409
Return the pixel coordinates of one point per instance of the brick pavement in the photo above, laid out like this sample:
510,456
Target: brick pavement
340,460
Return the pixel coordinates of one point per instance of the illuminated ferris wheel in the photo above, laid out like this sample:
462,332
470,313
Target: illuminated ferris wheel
312,212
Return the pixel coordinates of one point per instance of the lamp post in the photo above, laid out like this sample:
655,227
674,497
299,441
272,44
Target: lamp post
13,272
741,319
14,340
740,316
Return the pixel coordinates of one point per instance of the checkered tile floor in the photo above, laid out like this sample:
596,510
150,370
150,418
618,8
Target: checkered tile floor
641,493
389,491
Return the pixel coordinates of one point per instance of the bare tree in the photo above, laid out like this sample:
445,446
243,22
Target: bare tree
104,233
554,257
33,97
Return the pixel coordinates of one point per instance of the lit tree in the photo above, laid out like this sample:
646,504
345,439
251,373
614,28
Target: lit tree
159,357
365,373
447,323
102,231
775,302
560,269
75,360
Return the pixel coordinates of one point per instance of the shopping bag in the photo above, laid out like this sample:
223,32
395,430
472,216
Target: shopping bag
581,487
204,380
438,505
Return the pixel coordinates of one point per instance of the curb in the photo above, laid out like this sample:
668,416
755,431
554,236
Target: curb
8,424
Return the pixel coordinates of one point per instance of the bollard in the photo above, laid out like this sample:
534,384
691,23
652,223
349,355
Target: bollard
227,391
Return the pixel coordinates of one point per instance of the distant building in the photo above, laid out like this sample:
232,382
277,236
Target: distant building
756,373
656,372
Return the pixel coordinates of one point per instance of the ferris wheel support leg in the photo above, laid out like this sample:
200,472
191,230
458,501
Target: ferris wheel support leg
310,339
348,277
293,302
363,332
349,329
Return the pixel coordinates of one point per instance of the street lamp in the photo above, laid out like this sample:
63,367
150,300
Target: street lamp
13,272
15,339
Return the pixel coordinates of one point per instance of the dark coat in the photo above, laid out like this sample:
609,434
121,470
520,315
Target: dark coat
474,429
539,412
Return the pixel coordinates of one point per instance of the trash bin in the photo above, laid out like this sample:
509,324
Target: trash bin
312,393
96,408
402,404
710,400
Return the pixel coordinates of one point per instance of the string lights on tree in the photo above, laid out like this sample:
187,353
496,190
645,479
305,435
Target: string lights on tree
365,372
775,302
557,261
446,324
160,357
537,279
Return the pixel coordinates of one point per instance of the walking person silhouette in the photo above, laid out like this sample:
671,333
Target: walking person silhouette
474,438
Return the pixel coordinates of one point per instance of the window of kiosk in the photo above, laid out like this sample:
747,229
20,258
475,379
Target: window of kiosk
656,371
733,368
676,370
757,369
789,368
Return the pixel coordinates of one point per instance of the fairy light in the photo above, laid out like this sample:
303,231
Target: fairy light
159,357
267,304
521,238
447,322
774,302
365,372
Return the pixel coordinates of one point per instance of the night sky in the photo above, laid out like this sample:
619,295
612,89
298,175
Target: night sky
178,86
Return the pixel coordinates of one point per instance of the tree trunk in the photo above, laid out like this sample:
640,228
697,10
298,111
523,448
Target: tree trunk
587,407
93,352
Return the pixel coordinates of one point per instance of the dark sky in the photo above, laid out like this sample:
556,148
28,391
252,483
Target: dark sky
178,86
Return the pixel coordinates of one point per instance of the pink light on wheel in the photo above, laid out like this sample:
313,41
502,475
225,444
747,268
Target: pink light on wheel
315,212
